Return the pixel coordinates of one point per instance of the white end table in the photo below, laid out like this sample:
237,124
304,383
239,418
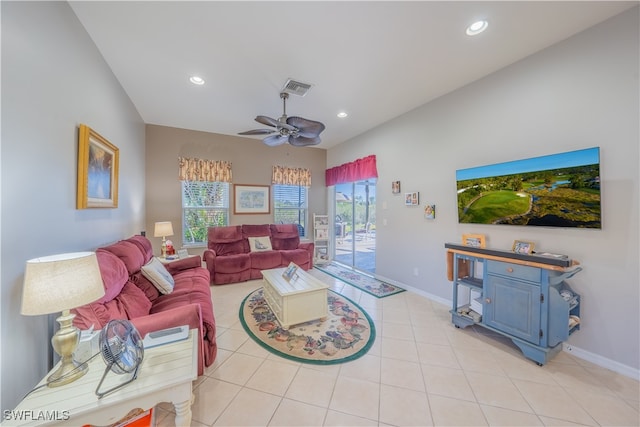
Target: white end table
165,375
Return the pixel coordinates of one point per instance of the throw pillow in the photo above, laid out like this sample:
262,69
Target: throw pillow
157,274
260,244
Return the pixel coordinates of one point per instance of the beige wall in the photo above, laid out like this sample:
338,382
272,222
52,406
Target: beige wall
252,162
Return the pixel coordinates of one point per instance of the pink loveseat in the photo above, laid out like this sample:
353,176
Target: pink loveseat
230,258
130,295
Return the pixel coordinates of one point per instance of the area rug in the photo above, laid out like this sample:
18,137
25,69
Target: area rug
364,282
346,334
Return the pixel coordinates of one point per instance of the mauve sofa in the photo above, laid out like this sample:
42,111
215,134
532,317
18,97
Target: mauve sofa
130,295
229,257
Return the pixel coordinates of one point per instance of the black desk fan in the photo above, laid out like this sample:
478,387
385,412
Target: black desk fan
122,351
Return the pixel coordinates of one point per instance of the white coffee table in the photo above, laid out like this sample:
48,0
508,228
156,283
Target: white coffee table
301,299
165,375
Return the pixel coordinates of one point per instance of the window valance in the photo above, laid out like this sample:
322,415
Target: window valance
291,176
357,170
191,169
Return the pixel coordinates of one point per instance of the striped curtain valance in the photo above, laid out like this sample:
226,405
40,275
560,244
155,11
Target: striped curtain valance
291,176
204,170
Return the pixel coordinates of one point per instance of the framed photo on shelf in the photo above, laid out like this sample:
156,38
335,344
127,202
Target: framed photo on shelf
322,233
522,247
474,240
251,199
290,271
98,161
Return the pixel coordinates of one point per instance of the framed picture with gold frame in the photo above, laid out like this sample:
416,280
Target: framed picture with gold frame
98,162
474,240
522,247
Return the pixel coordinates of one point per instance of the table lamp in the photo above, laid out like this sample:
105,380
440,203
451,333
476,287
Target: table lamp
59,283
163,229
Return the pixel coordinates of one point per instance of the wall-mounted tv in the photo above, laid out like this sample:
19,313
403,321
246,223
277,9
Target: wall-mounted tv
558,190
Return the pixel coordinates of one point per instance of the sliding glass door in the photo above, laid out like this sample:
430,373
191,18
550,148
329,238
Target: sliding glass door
355,224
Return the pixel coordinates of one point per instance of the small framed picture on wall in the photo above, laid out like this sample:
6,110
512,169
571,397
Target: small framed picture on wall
395,187
412,199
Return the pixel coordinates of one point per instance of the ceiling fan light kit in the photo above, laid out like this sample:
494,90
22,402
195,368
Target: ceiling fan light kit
296,131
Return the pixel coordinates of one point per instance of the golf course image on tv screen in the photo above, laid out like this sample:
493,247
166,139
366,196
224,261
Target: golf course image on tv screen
558,190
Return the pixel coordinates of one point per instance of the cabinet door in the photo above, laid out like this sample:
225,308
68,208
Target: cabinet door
513,307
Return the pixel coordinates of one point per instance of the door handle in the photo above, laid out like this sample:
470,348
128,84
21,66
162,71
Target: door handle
487,300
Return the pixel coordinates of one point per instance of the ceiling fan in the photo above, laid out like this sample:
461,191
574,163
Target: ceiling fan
294,130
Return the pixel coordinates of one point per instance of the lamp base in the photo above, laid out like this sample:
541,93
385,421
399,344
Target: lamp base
64,343
67,373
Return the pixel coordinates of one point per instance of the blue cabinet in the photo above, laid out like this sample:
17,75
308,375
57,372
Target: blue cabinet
523,297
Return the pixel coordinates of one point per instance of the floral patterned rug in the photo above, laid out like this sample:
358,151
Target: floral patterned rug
346,334
362,281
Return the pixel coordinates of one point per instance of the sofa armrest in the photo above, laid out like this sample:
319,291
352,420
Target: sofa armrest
184,264
309,247
209,256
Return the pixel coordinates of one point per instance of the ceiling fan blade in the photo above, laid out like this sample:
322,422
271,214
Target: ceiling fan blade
302,141
273,122
274,140
257,132
306,128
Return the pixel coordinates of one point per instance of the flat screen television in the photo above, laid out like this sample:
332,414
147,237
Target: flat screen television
558,190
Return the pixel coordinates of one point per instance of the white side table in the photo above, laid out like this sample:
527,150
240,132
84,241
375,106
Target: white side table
165,375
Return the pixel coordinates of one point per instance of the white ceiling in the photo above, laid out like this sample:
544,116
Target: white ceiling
374,60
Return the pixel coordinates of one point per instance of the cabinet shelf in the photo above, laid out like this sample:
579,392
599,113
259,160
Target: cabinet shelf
471,282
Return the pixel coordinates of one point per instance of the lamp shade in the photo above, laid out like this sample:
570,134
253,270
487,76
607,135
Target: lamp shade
61,282
163,229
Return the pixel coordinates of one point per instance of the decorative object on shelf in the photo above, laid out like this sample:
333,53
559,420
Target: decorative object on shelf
395,187
474,240
522,247
321,238
430,211
60,283
412,199
98,161
163,229
558,190
251,199
122,351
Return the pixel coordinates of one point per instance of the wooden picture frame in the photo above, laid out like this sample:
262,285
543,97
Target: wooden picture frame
474,240
98,162
522,247
251,199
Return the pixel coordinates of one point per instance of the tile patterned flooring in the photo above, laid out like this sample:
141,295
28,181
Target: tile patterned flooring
421,371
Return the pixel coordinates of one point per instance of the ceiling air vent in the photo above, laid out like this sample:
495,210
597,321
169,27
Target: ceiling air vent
296,88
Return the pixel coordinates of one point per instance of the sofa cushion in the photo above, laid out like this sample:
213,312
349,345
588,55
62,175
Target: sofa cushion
233,263
285,236
144,245
253,230
114,274
260,244
129,253
134,301
158,275
265,260
227,240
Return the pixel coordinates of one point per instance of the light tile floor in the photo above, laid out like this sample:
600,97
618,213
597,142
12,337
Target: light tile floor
421,371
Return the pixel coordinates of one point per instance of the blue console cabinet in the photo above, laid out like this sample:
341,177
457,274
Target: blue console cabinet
523,297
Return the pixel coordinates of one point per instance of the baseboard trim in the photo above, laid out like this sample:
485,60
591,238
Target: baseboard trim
596,359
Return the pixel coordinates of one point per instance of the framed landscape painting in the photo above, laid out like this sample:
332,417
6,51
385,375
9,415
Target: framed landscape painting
559,190
251,199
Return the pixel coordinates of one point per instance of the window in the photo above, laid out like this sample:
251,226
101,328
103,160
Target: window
204,205
290,206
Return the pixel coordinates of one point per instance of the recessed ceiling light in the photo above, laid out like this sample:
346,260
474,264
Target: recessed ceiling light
477,27
196,80
342,114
